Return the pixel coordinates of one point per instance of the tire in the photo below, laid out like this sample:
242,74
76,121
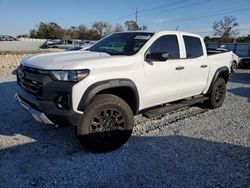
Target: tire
107,123
233,66
218,94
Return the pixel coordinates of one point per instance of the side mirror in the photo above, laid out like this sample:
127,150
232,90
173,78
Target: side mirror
157,56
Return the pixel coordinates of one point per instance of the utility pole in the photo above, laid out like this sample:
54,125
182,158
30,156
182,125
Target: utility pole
176,29
136,15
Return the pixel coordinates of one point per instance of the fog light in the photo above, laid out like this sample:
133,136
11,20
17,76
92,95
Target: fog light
62,101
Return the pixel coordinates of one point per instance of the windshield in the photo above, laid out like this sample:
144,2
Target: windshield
122,43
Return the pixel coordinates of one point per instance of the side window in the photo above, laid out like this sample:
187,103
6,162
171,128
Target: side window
193,47
166,44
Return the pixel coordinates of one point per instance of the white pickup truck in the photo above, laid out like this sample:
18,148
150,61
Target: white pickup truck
101,89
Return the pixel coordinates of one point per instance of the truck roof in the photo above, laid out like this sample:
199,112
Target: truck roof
162,32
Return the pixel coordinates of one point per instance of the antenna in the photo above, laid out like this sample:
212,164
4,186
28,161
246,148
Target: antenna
177,27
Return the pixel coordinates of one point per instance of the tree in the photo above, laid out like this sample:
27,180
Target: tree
103,28
118,28
213,39
243,39
131,25
92,34
47,31
144,27
206,39
98,30
226,28
72,33
75,32
82,30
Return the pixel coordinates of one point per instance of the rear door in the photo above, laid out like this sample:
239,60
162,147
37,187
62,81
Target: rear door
196,66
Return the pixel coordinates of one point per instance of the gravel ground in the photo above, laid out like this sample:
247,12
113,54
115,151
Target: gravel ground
193,147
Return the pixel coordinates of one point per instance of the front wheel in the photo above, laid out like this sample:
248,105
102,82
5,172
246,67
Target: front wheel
218,93
106,124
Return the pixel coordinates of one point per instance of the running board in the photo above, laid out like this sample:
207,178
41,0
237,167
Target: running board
172,107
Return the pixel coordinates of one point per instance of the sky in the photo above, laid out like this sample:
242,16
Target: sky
20,16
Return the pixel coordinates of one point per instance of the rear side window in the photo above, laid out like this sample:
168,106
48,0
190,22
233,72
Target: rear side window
193,47
166,44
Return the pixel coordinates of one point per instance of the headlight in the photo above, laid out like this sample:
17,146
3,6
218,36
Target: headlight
70,75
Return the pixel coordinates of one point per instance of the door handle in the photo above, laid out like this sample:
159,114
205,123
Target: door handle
203,66
179,68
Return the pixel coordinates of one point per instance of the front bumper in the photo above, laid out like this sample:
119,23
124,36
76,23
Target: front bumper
38,116
47,100
46,111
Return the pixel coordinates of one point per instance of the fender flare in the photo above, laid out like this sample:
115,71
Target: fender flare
92,90
216,75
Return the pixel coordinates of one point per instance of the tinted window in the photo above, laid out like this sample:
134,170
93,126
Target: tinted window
193,47
166,44
128,43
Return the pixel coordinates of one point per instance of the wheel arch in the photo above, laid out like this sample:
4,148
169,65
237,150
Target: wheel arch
222,72
123,88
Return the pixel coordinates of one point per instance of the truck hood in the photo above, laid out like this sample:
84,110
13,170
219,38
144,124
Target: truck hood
63,60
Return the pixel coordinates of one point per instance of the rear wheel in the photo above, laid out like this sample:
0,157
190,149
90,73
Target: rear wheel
106,124
218,93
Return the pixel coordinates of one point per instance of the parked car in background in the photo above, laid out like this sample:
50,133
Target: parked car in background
53,42
69,45
235,58
244,62
7,38
81,46
62,44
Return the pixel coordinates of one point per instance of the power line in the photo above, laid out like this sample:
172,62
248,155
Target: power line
177,8
122,18
165,5
149,10
210,15
184,19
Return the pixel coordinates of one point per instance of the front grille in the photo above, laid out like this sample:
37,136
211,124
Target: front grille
32,86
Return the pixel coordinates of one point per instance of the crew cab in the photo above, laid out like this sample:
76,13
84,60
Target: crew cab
101,89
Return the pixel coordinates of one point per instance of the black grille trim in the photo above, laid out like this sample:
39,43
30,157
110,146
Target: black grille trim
29,85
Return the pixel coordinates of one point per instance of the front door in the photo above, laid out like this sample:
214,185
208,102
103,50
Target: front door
163,78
